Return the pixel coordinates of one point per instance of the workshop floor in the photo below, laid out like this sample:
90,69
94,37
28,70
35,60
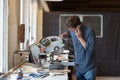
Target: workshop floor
108,78
103,78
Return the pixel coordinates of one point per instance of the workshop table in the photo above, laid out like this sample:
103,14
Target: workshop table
29,68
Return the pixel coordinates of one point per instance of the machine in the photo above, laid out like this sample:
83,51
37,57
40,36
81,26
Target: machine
46,49
52,44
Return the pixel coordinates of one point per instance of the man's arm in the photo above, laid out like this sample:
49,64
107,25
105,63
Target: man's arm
90,43
83,42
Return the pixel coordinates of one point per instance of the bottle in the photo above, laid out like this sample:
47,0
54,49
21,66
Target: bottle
20,74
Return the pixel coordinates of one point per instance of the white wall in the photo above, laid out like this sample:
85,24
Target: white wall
39,24
13,21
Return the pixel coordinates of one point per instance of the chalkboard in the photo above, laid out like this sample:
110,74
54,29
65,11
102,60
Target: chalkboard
94,21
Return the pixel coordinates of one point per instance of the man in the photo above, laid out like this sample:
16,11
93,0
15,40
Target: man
84,47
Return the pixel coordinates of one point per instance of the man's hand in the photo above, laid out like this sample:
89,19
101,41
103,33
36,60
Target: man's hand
63,35
78,33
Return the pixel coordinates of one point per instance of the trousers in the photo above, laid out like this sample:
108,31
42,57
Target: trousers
89,75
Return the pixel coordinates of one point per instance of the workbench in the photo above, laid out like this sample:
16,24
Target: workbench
29,68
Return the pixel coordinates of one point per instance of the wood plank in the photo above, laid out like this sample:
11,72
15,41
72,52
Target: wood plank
12,70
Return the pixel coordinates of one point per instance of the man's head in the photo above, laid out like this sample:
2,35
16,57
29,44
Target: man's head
73,22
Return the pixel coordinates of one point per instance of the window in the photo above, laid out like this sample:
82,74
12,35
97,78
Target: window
28,16
3,35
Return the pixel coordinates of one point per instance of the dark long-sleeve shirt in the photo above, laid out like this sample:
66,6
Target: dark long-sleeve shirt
84,57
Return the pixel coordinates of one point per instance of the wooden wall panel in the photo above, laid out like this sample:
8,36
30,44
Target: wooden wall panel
21,33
